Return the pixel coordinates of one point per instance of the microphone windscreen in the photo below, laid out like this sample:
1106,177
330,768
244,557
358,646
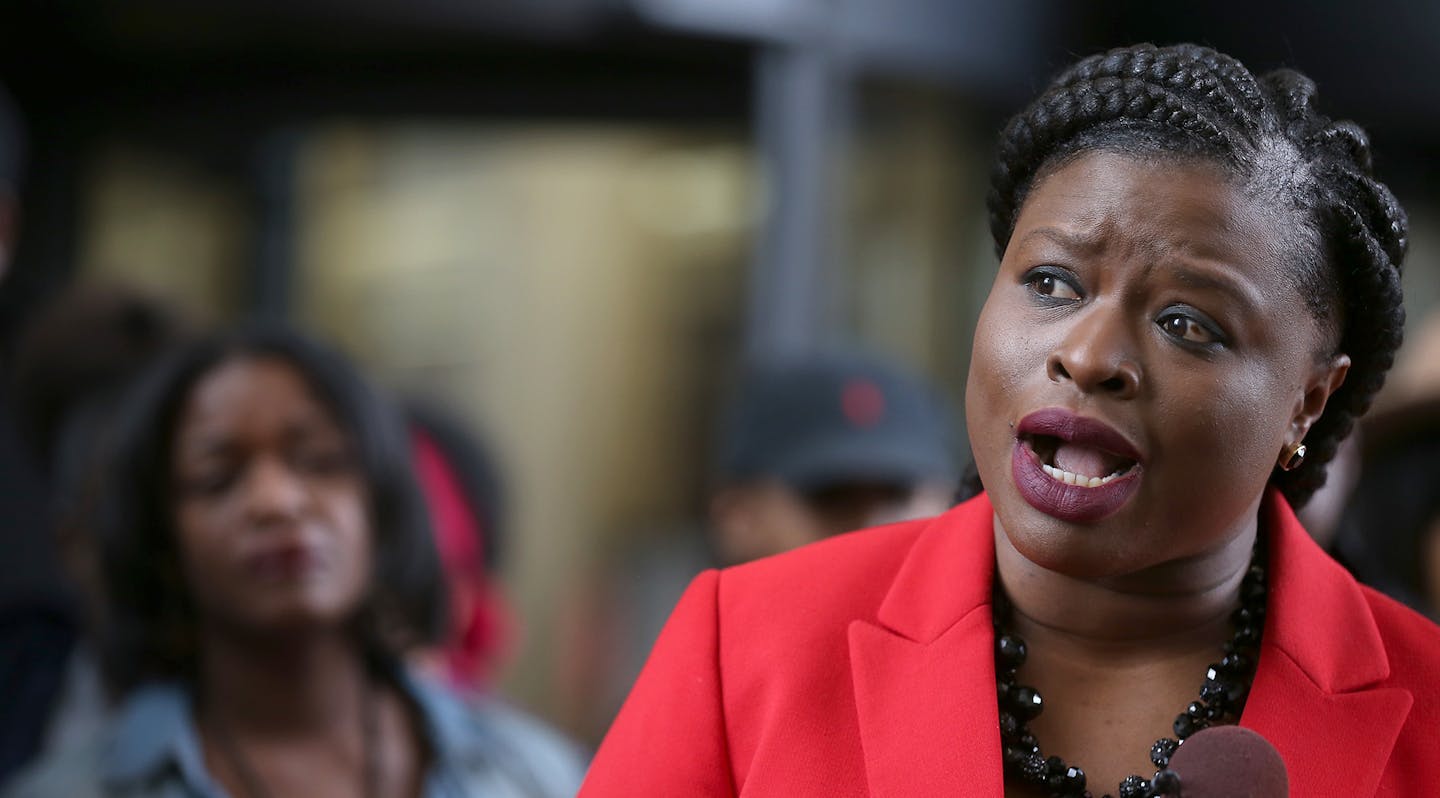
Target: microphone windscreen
1229,762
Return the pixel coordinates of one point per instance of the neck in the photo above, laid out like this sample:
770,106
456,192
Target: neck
1165,610
298,685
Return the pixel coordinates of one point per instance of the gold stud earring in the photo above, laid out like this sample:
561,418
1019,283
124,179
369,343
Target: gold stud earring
1292,457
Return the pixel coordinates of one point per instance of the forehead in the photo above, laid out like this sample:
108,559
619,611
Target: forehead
1159,204
252,392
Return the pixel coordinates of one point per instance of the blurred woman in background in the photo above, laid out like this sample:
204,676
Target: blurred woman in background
267,563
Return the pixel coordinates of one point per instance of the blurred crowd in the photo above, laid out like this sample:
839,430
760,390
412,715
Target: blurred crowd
235,566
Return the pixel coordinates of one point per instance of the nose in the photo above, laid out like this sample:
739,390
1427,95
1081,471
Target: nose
274,494
1097,354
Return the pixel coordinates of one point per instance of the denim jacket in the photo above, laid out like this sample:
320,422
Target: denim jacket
152,750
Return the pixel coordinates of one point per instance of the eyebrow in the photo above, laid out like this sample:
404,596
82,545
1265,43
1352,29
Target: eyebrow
300,430
205,448
1209,280
1203,279
1072,241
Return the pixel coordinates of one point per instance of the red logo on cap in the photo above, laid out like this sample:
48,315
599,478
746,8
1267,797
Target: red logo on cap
862,403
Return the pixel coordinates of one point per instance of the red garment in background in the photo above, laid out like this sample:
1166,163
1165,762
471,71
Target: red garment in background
479,618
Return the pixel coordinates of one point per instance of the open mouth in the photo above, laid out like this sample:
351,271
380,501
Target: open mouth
1072,467
1078,464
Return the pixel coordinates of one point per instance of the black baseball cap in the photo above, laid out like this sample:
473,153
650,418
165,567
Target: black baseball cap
835,418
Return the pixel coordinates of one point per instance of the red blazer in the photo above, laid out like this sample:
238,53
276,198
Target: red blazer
862,666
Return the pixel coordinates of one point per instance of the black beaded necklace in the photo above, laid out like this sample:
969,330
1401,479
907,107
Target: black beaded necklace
1222,699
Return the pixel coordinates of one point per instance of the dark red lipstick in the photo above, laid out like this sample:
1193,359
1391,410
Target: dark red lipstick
1064,495
286,562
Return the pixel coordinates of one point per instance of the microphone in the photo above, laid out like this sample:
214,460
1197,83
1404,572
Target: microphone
1224,762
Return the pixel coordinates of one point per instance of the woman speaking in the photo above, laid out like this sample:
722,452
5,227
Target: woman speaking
1198,293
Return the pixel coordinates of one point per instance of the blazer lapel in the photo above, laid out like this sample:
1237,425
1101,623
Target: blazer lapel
1332,743
924,675
1316,696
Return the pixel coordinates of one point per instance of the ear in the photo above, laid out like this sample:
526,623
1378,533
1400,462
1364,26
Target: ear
1324,380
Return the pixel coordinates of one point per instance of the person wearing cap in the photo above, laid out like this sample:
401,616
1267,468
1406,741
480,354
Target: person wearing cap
809,447
818,445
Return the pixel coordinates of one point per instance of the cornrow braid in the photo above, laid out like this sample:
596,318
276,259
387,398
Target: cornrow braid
1191,101
1196,71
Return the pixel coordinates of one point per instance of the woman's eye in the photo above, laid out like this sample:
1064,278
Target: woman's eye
1052,286
206,483
1187,329
326,461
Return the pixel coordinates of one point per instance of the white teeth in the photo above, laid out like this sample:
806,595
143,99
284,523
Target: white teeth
1080,480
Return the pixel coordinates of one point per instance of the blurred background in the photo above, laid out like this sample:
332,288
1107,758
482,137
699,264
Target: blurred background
569,221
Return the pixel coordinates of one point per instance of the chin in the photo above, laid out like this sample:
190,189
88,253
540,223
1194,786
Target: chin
1069,552
1091,550
288,618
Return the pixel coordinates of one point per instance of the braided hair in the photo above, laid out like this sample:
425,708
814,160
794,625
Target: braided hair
1193,102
